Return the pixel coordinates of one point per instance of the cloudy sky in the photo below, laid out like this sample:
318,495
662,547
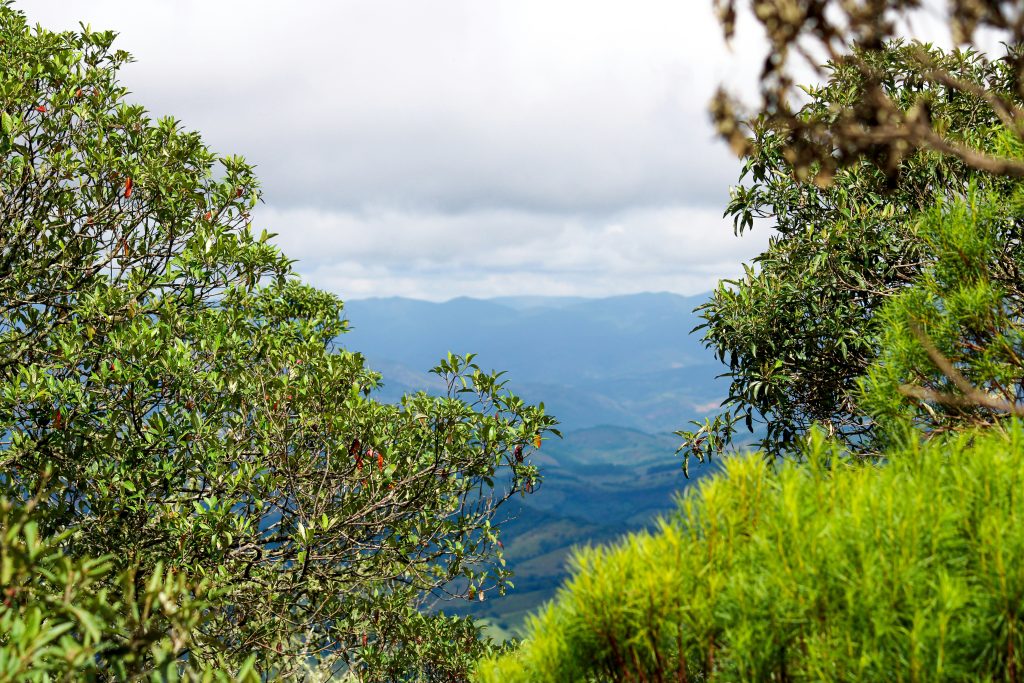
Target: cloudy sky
445,148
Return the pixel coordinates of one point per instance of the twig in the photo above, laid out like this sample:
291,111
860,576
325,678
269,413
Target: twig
972,397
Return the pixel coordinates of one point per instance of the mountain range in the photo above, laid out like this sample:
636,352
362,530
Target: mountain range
620,374
628,361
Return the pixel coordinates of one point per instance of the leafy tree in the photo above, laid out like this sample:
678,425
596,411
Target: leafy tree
177,403
911,571
799,329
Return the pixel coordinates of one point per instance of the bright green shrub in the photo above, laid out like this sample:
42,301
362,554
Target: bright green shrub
965,311
829,571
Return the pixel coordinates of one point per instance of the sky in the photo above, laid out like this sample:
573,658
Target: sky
458,147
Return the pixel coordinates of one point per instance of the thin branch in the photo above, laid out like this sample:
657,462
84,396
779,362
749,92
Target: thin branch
972,396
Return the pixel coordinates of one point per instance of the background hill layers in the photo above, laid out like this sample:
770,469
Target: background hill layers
619,373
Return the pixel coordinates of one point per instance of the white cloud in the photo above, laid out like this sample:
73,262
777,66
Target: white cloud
404,144
494,252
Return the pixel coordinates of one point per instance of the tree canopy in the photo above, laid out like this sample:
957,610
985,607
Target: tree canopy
799,329
181,423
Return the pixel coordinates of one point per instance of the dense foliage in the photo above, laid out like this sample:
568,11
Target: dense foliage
799,329
175,405
69,618
911,571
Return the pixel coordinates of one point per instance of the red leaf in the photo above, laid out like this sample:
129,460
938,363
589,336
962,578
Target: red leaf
41,109
128,188
208,215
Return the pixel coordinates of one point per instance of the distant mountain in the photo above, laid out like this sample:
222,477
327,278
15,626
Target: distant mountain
620,374
628,360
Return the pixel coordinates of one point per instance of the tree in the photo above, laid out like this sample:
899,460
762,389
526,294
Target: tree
799,329
176,401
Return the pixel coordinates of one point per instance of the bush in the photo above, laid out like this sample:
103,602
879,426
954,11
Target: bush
827,571
62,617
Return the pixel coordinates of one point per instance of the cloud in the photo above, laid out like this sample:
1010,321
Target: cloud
437,137
486,253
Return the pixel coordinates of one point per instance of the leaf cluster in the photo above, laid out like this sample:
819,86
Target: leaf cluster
953,344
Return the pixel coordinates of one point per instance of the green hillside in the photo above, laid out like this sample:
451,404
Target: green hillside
599,484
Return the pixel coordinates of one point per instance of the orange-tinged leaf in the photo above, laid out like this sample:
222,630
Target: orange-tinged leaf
536,441
127,188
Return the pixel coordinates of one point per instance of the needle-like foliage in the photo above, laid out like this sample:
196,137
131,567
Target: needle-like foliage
910,571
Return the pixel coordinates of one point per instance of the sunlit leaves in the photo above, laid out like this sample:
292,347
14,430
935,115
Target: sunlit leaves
826,571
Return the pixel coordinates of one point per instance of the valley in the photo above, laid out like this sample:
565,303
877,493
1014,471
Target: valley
619,373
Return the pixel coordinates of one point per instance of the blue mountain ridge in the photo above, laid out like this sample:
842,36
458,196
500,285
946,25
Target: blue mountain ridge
628,361
620,373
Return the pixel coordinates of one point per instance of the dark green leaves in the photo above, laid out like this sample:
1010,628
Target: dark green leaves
186,408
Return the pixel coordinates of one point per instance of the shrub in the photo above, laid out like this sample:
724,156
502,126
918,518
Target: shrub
827,571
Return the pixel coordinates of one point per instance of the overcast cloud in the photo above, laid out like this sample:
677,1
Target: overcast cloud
458,147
